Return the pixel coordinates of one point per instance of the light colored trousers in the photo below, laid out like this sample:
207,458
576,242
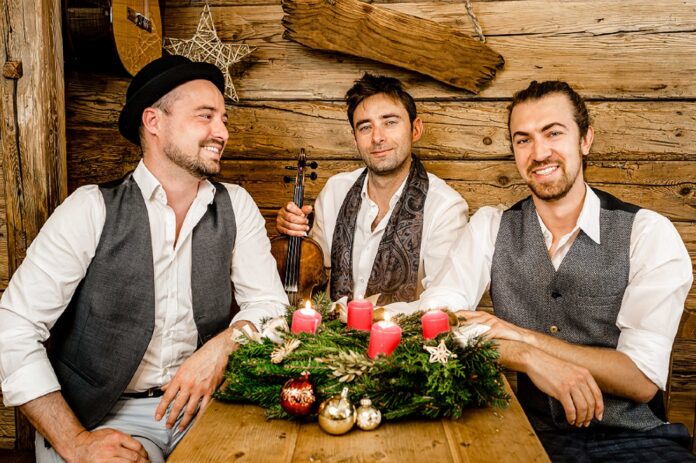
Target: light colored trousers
135,417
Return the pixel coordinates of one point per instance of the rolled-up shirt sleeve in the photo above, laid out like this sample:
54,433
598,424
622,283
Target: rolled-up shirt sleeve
257,286
659,281
41,289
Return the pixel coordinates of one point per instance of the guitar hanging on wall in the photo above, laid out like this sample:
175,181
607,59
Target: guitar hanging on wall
110,34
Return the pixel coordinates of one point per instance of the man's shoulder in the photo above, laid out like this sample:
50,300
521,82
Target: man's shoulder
345,177
441,193
340,183
238,194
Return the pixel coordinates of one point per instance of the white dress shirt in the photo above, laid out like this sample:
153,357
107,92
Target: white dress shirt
444,217
57,261
659,279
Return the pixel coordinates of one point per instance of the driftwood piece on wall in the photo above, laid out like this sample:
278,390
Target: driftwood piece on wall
356,28
32,134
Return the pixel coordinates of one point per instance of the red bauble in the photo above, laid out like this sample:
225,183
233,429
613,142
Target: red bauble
297,395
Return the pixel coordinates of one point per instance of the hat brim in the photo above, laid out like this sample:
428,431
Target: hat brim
156,88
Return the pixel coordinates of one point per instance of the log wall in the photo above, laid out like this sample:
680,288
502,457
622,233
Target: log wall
634,61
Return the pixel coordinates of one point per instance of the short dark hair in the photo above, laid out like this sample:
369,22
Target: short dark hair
369,85
537,90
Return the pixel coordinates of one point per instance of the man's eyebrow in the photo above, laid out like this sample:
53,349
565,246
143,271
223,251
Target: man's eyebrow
543,129
548,126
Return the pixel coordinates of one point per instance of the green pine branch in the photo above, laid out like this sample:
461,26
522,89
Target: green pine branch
402,385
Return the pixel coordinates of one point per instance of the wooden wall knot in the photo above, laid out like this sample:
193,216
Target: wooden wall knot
12,69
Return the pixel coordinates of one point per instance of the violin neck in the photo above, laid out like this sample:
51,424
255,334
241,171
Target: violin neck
298,197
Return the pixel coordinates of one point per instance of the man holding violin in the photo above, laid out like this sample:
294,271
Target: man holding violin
385,229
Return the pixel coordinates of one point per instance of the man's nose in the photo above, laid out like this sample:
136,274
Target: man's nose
220,130
377,135
541,150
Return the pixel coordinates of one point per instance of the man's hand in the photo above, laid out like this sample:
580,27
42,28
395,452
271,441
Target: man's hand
500,329
107,445
291,220
570,384
197,379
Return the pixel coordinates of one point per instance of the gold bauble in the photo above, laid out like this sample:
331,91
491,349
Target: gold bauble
368,415
337,414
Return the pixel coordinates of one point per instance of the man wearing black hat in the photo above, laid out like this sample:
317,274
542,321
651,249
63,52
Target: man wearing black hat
131,280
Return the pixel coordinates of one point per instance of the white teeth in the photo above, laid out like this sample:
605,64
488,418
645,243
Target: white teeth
213,149
546,170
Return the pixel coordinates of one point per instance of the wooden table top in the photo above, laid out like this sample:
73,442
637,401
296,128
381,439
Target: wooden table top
240,433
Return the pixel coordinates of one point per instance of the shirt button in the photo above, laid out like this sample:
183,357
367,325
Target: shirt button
555,294
553,329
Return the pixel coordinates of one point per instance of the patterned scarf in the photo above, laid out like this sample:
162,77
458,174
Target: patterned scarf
395,269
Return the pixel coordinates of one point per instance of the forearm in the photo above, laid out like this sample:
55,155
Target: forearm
614,371
53,418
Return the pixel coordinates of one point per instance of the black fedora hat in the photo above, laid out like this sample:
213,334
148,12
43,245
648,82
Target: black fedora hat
155,80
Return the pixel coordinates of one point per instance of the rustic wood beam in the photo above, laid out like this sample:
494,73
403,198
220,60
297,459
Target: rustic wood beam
359,29
32,134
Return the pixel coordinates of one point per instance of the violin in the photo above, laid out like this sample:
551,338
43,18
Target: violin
300,260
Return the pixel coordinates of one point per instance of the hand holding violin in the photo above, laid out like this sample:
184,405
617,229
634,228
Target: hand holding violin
292,220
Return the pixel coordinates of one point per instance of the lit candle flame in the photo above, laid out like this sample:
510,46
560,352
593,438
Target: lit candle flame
387,318
307,310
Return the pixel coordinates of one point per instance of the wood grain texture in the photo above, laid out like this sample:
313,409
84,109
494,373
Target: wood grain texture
390,37
462,130
602,52
241,433
32,132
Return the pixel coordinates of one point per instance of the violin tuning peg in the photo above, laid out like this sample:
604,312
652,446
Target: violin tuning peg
288,179
313,164
313,176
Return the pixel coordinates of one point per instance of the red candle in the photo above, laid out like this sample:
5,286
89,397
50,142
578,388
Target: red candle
360,314
434,322
384,337
305,320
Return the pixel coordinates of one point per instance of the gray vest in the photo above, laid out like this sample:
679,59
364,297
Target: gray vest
101,338
578,303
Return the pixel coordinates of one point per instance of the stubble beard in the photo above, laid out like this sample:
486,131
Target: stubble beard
551,191
194,165
385,169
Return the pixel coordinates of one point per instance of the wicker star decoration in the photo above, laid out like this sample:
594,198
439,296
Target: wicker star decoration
440,353
206,46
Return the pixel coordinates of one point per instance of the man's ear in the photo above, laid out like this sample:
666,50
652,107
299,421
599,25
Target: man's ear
417,129
586,142
151,120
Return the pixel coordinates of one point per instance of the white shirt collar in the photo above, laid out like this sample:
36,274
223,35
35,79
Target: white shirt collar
589,216
151,188
395,197
588,220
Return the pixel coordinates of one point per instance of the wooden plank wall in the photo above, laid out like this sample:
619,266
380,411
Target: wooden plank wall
634,61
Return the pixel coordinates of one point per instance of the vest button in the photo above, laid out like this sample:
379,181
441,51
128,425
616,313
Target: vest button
555,294
553,329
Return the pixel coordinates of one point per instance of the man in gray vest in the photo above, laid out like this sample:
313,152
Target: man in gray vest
587,292
385,228
132,282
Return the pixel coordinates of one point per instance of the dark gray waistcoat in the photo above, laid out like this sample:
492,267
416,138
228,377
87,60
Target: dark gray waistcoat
101,338
578,303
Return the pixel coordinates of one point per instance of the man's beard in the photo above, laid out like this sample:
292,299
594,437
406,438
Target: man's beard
551,191
381,169
192,164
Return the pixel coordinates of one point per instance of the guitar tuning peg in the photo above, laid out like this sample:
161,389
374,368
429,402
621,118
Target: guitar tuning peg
288,179
313,176
313,164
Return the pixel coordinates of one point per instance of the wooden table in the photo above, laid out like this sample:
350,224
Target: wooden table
240,433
